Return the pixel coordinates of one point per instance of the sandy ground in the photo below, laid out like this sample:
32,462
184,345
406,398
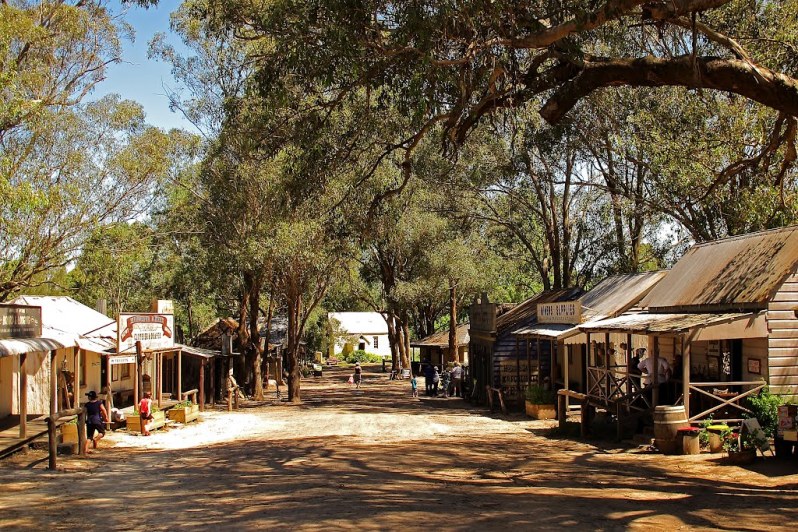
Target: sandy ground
376,458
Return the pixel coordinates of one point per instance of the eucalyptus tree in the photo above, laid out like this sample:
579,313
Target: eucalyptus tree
456,62
66,166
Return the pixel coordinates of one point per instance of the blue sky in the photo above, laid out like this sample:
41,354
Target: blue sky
141,79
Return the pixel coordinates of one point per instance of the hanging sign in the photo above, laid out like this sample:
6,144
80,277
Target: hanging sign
154,331
129,359
20,321
568,312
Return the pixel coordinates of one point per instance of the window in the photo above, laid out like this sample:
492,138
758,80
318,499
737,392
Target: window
82,357
115,372
376,342
125,374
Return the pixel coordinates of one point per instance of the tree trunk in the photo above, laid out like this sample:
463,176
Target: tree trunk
454,352
405,339
256,353
294,371
393,338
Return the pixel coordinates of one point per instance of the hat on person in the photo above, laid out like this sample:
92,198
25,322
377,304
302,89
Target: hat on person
357,363
92,394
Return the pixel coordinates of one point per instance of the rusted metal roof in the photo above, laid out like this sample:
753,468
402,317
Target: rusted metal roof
441,338
612,296
645,323
736,273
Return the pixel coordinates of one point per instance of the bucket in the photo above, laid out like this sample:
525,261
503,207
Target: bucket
667,422
688,438
715,441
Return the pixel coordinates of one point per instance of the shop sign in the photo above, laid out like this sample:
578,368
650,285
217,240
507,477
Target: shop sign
569,312
154,331
127,359
20,321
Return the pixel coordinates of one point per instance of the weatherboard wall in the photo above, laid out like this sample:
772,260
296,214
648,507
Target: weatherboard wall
783,338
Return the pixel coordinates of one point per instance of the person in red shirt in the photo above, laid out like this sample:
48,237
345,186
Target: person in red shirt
145,412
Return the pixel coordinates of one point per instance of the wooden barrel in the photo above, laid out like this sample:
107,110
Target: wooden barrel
667,422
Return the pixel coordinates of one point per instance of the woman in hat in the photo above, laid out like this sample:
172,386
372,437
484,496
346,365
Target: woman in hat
96,418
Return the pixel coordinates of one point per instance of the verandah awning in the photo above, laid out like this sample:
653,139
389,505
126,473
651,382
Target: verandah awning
701,326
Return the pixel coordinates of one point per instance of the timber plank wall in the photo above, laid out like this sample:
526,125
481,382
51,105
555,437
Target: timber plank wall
783,338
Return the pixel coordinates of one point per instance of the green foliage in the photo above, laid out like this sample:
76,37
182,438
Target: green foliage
765,407
538,395
361,356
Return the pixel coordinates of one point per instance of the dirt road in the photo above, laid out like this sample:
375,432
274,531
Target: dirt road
377,459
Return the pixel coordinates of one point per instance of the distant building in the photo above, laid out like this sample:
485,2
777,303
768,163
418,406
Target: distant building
435,347
366,331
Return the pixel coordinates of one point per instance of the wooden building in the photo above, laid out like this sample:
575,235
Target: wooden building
494,355
725,317
557,330
435,347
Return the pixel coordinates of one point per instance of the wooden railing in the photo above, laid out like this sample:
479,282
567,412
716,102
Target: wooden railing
728,401
617,386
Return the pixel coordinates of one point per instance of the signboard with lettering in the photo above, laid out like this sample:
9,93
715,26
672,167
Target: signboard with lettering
126,359
20,321
154,331
563,312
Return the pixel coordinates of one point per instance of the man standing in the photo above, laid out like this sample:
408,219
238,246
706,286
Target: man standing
429,374
457,380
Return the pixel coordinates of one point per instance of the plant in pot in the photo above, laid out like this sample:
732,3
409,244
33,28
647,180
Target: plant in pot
184,412
540,402
740,448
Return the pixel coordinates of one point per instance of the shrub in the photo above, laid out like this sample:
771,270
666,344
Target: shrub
765,408
538,395
361,356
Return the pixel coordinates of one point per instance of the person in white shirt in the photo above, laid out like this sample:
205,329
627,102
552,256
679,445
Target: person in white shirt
647,367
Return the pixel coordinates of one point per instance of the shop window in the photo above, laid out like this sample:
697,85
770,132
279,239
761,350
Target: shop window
125,371
115,373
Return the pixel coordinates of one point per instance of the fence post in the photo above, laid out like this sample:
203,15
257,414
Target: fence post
82,432
52,440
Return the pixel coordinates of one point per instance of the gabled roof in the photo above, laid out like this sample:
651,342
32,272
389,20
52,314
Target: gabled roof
736,273
526,313
69,323
360,322
612,296
441,338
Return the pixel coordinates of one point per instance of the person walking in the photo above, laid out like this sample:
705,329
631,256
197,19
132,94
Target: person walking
457,380
145,412
358,374
96,418
429,374
436,378
414,385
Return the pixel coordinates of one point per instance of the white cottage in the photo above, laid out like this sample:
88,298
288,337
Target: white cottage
366,331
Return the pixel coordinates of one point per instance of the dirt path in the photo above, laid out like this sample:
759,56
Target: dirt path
378,459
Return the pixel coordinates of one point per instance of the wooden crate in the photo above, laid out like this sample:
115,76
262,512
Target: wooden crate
134,422
185,414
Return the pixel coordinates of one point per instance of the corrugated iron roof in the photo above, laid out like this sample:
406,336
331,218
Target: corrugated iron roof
65,323
742,272
526,313
618,293
612,296
441,338
645,322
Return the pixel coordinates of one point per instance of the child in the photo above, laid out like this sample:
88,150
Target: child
145,412
414,385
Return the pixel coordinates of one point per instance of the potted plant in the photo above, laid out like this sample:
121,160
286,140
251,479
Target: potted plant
69,431
184,412
158,420
740,449
540,402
